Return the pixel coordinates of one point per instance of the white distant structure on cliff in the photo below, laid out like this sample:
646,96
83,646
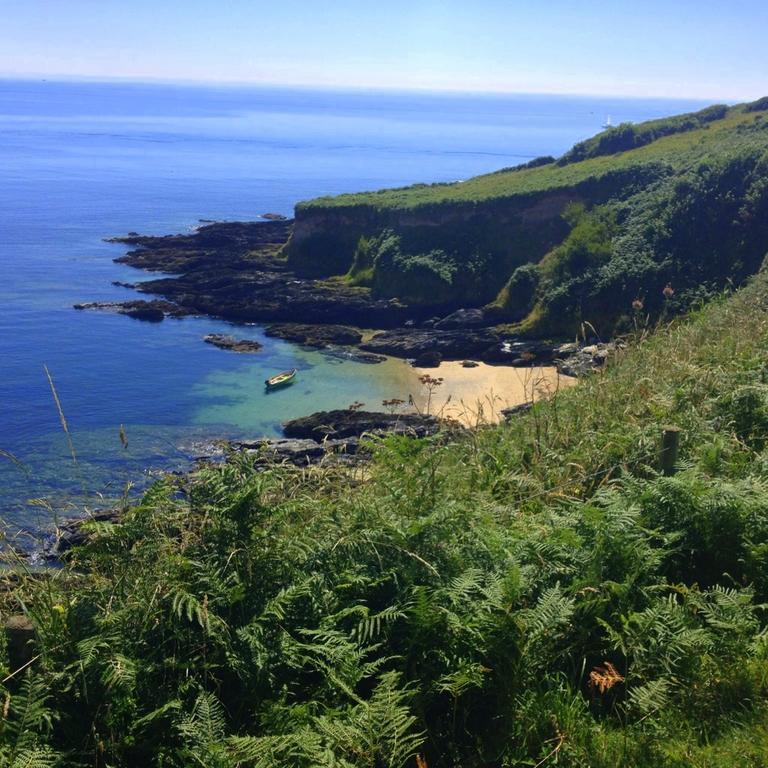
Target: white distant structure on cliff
607,124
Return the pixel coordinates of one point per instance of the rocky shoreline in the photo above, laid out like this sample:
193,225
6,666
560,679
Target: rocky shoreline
235,271
332,438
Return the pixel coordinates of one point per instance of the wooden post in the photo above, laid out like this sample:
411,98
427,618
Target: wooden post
670,447
20,636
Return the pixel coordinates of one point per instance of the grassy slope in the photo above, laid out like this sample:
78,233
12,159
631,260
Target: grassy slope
451,599
678,151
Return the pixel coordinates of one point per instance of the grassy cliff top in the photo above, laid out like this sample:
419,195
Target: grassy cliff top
679,202
690,139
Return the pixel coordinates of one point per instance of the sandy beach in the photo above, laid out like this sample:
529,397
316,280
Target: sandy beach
476,396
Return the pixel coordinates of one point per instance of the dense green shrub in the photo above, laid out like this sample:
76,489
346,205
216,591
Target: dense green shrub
760,105
696,232
417,277
518,295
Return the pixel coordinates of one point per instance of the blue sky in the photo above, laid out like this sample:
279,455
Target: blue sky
682,48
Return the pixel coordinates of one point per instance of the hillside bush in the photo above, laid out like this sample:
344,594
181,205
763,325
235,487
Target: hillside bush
524,594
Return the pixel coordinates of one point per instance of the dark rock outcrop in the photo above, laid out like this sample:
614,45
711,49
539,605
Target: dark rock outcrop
521,353
451,345
514,410
353,355
302,451
152,311
178,253
345,424
431,359
232,344
315,335
20,638
464,318
234,270
576,360
148,313
74,533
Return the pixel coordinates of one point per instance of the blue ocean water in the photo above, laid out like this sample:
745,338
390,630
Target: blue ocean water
83,161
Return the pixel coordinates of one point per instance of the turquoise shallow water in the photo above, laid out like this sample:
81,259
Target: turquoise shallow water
80,162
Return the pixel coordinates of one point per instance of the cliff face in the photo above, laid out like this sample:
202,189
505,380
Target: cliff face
480,243
587,233
324,240
443,256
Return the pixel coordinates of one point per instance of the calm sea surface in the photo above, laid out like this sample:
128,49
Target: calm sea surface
80,162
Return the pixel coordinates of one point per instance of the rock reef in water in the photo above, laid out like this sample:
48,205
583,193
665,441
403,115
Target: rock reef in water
154,311
232,344
234,270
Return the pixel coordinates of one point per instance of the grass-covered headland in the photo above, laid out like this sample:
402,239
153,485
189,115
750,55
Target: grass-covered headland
553,243
533,594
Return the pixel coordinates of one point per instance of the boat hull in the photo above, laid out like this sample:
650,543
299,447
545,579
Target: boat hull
281,380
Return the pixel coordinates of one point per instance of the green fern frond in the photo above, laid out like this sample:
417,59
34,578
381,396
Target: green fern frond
29,720
650,697
549,617
40,757
370,627
119,672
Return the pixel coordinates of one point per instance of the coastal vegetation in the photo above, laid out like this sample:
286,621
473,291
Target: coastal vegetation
680,201
537,593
